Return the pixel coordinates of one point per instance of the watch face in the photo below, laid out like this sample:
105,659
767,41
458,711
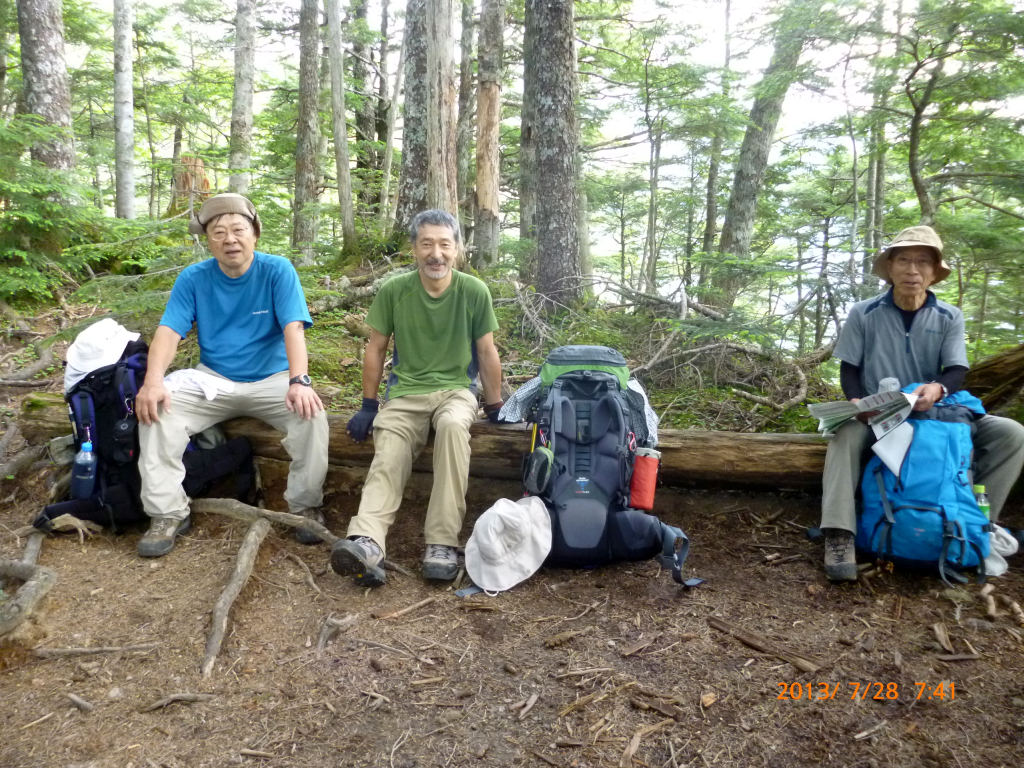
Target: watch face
304,380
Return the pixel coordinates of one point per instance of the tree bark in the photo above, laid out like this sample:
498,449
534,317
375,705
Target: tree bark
384,204
124,112
241,105
752,163
384,81
340,122
428,144
553,64
528,150
44,72
715,159
490,54
464,126
365,121
307,162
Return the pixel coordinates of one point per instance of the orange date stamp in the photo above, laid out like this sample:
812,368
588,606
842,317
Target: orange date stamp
877,691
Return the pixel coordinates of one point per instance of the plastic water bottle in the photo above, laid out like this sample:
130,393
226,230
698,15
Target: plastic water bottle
83,472
889,385
983,505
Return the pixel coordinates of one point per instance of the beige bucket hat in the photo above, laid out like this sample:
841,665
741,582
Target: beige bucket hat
218,205
919,235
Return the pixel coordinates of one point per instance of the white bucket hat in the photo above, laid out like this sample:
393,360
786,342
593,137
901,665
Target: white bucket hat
509,542
98,345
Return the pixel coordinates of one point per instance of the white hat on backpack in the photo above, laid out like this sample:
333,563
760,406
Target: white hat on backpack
509,543
98,345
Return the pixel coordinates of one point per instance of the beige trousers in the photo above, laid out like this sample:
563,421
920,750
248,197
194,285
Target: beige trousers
998,454
399,434
161,444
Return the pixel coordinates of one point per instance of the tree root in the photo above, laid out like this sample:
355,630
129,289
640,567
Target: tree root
38,581
45,360
22,460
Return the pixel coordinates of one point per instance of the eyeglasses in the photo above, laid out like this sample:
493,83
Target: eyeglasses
220,235
905,262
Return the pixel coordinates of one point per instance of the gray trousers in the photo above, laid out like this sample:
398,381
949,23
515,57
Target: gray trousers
998,454
162,443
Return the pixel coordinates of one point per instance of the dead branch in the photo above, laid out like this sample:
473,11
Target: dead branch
221,612
63,653
785,405
37,582
186,698
81,703
667,343
309,575
763,644
634,744
32,548
395,614
331,627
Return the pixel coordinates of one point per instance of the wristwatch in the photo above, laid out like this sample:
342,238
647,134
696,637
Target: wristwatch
945,392
304,380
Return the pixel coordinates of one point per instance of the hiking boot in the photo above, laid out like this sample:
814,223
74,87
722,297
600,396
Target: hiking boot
159,539
440,562
840,558
304,536
361,559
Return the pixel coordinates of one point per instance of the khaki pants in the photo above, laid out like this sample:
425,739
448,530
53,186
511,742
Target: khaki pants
162,443
998,454
399,434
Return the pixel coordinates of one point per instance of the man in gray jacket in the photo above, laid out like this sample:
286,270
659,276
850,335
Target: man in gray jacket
907,334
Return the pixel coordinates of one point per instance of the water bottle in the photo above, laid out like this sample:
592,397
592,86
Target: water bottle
83,472
983,505
889,385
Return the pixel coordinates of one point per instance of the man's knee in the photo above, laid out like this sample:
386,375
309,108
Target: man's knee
452,426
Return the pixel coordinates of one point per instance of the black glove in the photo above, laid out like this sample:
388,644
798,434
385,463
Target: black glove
360,425
491,411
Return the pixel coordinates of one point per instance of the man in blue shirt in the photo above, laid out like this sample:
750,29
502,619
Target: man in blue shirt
906,334
251,315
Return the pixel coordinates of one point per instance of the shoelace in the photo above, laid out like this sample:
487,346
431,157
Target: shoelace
440,552
840,544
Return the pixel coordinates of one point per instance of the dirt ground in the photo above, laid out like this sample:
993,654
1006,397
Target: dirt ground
444,685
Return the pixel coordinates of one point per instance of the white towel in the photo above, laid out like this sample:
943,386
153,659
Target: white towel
200,381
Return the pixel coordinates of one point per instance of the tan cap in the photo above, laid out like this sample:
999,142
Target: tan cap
218,205
919,235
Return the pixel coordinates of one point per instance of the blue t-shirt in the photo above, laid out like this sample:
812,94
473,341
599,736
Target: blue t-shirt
240,320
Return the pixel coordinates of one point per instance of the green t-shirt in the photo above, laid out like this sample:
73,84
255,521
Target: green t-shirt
434,338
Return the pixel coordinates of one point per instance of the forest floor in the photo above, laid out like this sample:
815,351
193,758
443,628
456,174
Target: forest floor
444,685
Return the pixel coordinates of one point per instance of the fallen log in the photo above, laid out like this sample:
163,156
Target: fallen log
689,457
997,379
37,582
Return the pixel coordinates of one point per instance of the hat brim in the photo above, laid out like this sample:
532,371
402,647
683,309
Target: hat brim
880,267
498,577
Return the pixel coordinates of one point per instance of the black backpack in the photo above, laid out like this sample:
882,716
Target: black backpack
102,410
587,429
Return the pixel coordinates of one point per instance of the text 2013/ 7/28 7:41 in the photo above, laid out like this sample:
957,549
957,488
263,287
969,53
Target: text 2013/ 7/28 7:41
876,691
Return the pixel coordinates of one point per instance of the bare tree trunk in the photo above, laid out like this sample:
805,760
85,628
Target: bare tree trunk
362,83
490,53
528,150
307,162
44,72
464,127
124,112
711,200
383,104
553,61
341,162
650,277
241,106
979,327
428,144
752,162
820,320
802,318
384,204
154,204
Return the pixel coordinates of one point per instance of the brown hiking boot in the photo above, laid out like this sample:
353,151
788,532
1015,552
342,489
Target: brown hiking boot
840,556
159,539
308,537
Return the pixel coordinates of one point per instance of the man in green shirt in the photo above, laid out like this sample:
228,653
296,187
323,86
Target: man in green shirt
443,325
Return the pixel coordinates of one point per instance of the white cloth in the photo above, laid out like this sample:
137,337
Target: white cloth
508,544
1002,544
198,381
98,345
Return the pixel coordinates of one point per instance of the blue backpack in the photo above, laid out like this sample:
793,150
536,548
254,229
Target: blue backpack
927,517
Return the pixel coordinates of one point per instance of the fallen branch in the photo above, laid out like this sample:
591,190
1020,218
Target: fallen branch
593,697
25,458
763,644
33,547
331,627
634,744
309,574
185,698
61,653
81,703
395,614
37,582
529,705
247,552
785,405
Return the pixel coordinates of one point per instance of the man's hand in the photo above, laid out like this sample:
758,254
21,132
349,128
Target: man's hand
303,401
928,395
360,425
491,411
148,401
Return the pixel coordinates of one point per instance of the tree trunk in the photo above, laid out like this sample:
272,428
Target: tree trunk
362,83
124,112
44,72
341,162
979,326
241,106
752,163
307,163
711,199
649,283
384,204
528,151
490,53
802,317
820,321
553,61
428,143
464,127
384,81
154,200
